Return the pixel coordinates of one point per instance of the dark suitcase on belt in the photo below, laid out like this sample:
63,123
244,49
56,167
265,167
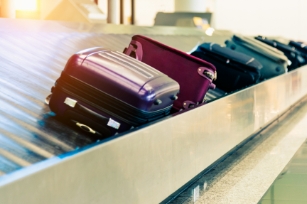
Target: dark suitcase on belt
194,75
105,92
296,58
274,61
214,94
300,46
236,70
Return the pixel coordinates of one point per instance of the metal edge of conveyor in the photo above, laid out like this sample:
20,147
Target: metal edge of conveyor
62,26
148,165
26,25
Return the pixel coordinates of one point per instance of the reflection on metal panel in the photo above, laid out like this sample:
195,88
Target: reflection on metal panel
147,165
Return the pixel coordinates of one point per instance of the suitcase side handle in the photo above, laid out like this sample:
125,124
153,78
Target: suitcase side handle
134,50
208,74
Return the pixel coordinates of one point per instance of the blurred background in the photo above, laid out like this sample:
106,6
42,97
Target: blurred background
271,18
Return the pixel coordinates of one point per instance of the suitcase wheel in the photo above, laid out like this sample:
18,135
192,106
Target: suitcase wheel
174,97
157,102
188,104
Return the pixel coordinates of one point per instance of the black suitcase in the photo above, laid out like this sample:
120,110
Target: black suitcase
235,70
274,61
214,94
297,58
300,46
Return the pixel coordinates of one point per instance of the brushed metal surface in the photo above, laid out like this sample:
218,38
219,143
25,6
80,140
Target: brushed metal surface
147,165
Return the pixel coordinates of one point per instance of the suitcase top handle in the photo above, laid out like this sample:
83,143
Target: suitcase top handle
134,50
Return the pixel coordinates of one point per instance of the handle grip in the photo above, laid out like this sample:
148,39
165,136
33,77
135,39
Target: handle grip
134,50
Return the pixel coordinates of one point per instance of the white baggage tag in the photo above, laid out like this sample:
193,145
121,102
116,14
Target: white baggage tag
70,102
114,124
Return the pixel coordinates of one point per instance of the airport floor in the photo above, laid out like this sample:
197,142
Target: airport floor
271,168
291,184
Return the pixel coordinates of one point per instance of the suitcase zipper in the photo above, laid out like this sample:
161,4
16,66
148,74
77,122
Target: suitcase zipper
108,100
121,108
81,99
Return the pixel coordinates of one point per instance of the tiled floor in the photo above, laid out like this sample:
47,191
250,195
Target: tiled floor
291,185
245,176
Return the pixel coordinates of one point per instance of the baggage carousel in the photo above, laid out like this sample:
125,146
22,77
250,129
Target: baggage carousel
44,159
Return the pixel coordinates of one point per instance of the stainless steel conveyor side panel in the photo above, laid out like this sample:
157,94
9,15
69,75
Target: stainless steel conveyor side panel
148,165
143,166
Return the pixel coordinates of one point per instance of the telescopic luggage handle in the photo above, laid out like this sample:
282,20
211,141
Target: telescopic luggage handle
134,50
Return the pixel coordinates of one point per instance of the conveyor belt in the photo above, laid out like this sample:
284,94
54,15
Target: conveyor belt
142,166
31,59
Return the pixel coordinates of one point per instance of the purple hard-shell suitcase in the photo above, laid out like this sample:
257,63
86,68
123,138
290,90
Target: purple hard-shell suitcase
105,92
195,76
